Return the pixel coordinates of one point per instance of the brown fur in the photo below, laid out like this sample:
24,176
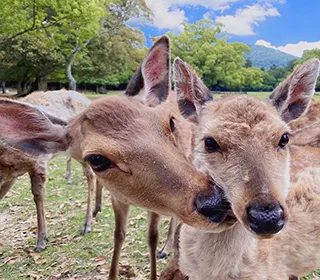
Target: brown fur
150,160
312,116
250,167
306,130
59,107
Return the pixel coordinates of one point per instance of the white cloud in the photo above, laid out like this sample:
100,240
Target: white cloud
244,20
207,15
210,4
294,49
169,13
164,17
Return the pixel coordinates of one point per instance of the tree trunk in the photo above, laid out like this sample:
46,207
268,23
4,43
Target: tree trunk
71,80
3,87
42,83
19,88
22,89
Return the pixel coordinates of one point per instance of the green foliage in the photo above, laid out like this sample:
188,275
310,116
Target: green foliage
38,39
68,253
219,63
61,19
112,58
32,56
263,57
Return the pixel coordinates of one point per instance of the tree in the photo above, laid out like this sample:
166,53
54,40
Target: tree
218,62
112,58
38,37
248,63
91,20
19,17
72,36
32,57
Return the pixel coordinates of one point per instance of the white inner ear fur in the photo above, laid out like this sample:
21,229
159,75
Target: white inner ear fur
183,80
304,80
155,67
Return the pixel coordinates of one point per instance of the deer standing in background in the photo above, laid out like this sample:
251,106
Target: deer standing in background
243,144
119,138
59,107
66,105
63,104
306,130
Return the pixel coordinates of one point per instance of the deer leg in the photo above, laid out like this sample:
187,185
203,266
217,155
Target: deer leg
68,171
91,179
38,185
172,270
6,187
168,246
99,188
121,214
153,236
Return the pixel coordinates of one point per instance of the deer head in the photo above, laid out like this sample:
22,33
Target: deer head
243,144
139,152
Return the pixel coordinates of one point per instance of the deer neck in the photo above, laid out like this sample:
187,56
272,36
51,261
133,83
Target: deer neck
217,255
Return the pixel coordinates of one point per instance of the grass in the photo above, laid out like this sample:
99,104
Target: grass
260,94
68,254
94,96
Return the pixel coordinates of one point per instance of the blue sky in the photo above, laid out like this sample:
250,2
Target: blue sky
291,26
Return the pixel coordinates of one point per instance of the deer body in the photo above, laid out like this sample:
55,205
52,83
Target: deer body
272,187
119,138
237,254
60,107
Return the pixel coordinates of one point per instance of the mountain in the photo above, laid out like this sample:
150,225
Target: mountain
261,56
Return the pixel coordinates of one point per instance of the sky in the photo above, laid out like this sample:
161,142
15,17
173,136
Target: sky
291,26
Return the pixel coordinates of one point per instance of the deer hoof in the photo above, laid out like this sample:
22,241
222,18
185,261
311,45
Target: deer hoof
40,248
162,255
95,212
86,229
69,181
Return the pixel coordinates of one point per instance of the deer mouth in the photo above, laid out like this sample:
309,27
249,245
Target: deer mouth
216,208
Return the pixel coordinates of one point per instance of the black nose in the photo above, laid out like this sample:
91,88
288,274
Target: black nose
214,207
266,219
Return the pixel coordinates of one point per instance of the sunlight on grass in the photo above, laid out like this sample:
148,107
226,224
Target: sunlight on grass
94,96
68,253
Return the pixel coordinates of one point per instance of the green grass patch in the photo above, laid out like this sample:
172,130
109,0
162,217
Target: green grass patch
260,94
94,96
68,254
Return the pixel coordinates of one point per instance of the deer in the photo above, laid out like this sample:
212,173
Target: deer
66,105
62,103
59,107
118,139
311,117
269,222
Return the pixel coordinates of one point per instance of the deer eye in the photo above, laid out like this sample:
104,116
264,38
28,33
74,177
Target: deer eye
99,163
211,145
172,124
284,140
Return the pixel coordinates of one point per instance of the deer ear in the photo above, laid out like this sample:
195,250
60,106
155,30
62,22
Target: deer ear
27,129
153,76
156,72
192,92
293,96
136,84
